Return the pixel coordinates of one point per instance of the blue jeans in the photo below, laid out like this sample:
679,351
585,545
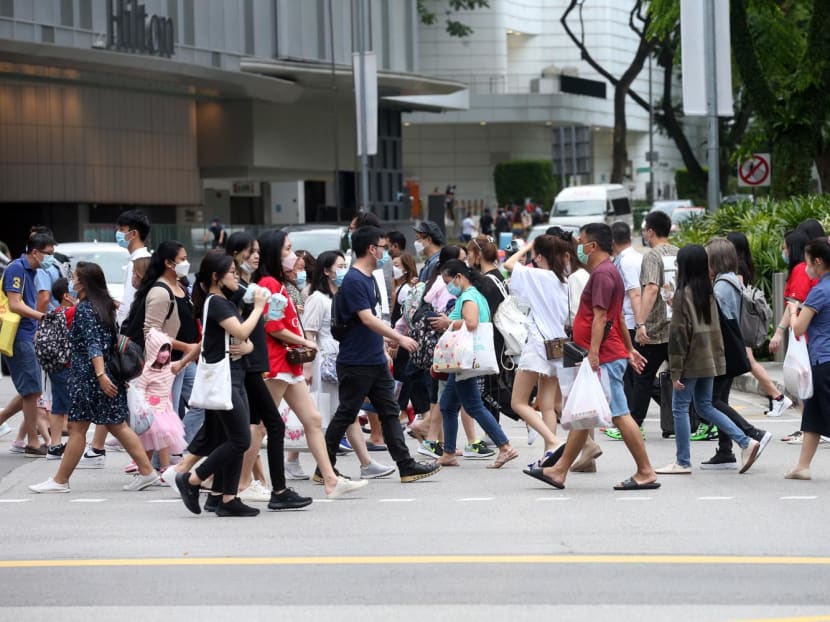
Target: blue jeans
465,393
699,390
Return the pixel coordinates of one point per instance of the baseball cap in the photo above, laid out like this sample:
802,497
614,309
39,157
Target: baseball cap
430,228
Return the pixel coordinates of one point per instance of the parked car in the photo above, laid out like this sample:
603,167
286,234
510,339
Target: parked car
315,238
111,257
578,206
683,214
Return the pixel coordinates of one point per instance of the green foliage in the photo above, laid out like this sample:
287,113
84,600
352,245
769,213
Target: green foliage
687,188
518,179
764,224
454,27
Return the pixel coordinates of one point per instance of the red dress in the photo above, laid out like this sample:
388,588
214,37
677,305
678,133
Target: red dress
290,322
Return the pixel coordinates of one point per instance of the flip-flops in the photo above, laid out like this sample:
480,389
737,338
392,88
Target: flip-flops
537,473
502,460
631,484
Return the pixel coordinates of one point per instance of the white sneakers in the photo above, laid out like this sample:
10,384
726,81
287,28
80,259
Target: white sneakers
140,482
750,455
256,492
294,471
49,485
779,406
674,469
345,486
374,470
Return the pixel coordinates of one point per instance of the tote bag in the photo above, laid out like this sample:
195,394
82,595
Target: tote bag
485,362
453,352
212,384
798,374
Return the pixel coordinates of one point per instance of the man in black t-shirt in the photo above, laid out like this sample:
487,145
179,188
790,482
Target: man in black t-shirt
362,363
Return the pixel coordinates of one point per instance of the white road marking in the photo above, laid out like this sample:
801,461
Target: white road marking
164,500
714,498
553,499
799,498
395,500
14,500
632,498
86,500
477,499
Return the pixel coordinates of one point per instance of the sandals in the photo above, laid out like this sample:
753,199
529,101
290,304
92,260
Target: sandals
504,458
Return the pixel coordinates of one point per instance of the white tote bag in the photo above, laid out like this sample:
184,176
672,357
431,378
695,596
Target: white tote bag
798,374
484,361
212,384
586,406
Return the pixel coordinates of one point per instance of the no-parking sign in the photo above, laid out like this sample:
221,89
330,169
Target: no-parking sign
755,171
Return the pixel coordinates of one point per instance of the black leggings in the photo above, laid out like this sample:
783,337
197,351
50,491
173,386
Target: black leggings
226,460
262,404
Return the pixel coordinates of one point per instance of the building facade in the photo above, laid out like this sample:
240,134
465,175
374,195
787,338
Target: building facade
194,109
532,97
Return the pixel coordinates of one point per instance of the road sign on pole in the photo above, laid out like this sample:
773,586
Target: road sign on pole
755,171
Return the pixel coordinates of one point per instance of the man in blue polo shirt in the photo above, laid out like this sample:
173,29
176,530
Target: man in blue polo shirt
19,285
362,363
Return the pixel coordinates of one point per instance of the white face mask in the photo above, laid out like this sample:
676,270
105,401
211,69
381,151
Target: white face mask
246,267
397,272
419,247
183,269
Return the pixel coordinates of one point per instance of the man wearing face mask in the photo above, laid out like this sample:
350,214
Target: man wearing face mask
131,233
362,364
428,242
19,285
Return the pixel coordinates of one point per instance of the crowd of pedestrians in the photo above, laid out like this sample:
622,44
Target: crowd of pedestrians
355,330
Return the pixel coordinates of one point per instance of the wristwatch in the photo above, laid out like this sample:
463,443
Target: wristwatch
639,325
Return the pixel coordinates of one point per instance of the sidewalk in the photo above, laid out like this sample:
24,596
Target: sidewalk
749,384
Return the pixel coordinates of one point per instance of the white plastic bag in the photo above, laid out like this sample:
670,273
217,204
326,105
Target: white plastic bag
798,374
484,361
295,439
453,352
586,406
141,414
567,377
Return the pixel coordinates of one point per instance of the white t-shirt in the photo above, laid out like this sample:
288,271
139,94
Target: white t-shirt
467,226
576,283
629,263
129,291
547,297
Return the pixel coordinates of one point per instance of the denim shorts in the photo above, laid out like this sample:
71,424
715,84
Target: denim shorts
616,370
24,368
58,381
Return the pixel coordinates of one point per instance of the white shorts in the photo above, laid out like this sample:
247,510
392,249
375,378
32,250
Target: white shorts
288,378
529,360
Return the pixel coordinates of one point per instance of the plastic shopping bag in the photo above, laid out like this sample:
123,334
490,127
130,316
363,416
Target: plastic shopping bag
586,406
798,374
141,413
567,377
484,361
453,352
295,439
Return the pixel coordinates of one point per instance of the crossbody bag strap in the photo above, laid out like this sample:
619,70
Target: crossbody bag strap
204,329
499,284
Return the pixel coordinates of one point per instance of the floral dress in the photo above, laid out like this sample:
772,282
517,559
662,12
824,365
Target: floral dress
90,337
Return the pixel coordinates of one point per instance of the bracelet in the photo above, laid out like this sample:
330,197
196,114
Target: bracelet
100,374
782,327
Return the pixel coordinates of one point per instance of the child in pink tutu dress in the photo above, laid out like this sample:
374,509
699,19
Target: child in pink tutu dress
166,434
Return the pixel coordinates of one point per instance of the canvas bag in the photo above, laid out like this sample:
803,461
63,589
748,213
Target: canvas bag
586,406
510,321
798,373
453,352
10,321
212,384
485,362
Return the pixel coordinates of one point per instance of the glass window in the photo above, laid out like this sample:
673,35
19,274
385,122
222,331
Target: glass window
67,13
6,8
173,13
249,27
189,23
85,14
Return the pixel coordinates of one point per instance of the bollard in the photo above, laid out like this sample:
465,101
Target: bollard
779,279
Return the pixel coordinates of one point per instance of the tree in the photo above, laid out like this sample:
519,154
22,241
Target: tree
454,27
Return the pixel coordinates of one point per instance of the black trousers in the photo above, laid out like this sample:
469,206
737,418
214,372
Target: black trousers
720,400
261,403
356,384
643,383
226,460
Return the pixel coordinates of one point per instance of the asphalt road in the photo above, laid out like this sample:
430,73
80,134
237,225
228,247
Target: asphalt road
468,543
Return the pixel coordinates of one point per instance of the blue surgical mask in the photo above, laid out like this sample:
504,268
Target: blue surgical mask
385,259
301,276
48,261
72,291
350,239
121,239
339,276
785,257
580,252
454,289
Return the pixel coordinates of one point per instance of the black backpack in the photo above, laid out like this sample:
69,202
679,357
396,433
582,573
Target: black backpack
133,326
52,346
339,328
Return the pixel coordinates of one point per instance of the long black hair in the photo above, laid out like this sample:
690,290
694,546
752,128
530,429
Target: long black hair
217,262
167,251
693,273
746,267
271,244
91,276
238,242
319,278
796,241
811,228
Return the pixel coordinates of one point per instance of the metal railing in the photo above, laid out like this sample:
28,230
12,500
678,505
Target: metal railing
499,84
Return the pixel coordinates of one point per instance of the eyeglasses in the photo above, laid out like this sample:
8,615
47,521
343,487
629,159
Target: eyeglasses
383,246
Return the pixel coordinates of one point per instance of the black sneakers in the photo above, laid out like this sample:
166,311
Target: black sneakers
288,499
419,470
720,462
189,492
235,507
212,503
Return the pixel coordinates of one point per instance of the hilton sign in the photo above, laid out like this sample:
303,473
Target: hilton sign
130,29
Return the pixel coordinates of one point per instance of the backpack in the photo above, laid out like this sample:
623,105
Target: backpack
52,346
133,326
510,321
340,328
755,316
420,329
126,361
669,281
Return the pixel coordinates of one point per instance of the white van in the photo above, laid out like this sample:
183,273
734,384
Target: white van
578,206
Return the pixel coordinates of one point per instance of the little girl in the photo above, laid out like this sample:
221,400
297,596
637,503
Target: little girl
166,434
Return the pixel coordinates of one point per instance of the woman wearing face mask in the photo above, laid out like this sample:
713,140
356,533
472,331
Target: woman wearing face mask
293,266
329,274
814,319
286,381
405,275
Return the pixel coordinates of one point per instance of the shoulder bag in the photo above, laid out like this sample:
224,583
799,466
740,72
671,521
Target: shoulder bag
9,319
212,384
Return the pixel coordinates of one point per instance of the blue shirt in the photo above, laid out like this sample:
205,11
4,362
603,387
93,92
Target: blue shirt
818,331
44,280
19,277
361,345
429,267
471,293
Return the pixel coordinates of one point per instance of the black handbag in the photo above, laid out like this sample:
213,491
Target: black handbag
573,354
734,349
126,361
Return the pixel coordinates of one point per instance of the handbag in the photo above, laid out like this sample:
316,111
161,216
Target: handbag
573,354
798,373
126,361
555,348
328,368
298,355
10,321
485,362
212,384
734,350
